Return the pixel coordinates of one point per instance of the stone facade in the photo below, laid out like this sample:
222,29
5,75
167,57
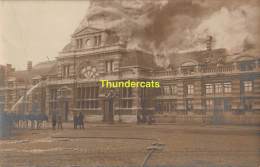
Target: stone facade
208,86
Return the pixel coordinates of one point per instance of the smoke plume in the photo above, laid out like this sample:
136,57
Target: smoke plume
166,26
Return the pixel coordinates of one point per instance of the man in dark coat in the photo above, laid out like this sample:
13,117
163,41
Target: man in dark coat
75,120
54,121
59,121
81,120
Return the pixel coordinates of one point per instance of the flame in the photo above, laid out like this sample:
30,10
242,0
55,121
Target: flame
163,26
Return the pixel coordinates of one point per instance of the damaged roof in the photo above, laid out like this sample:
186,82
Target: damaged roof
198,57
38,71
139,58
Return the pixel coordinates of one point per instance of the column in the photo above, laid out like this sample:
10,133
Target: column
180,97
197,101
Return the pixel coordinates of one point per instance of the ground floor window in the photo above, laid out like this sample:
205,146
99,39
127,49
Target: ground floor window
125,95
227,105
247,104
2,103
165,106
125,103
87,97
209,105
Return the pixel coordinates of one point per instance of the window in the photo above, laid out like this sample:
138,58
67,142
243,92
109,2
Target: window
165,106
209,104
218,88
97,40
169,90
209,88
87,97
248,86
66,71
2,103
109,66
79,43
247,65
227,105
166,90
247,104
190,90
53,93
114,66
173,89
53,102
227,87
168,106
125,98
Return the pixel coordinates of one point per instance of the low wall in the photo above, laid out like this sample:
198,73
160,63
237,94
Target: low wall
94,118
122,118
225,118
126,118
229,118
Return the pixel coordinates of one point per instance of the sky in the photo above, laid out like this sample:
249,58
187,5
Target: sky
37,30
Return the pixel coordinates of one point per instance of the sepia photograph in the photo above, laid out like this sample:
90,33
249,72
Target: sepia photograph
130,83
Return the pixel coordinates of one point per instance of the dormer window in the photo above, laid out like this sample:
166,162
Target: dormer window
79,43
66,71
97,40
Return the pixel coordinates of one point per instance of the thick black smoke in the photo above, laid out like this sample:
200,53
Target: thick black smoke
163,26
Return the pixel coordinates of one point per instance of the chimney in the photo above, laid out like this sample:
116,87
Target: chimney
29,65
209,43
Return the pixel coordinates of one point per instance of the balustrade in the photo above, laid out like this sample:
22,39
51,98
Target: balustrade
227,68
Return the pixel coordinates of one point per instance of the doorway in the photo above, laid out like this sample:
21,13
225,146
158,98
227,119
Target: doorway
109,110
218,117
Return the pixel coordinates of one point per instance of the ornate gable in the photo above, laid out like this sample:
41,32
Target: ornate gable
85,31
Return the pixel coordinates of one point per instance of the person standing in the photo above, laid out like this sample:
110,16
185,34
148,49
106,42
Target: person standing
45,120
81,120
59,121
54,120
75,120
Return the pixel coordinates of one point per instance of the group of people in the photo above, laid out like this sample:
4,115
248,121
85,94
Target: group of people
8,121
33,121
56,120
78,121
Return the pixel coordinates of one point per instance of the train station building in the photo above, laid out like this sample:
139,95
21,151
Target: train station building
207,86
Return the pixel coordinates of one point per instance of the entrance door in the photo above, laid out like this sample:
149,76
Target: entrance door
218,105
218,111
108,110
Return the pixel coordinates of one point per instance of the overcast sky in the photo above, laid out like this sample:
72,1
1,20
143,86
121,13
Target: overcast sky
35,30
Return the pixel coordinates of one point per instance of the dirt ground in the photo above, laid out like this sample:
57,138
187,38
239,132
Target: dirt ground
126,145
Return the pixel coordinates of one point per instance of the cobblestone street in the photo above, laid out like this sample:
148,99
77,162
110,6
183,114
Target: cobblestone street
125,144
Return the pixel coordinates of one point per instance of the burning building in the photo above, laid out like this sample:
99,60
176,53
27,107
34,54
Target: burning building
197,85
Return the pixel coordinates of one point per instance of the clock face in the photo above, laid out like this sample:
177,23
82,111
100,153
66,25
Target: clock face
88,72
